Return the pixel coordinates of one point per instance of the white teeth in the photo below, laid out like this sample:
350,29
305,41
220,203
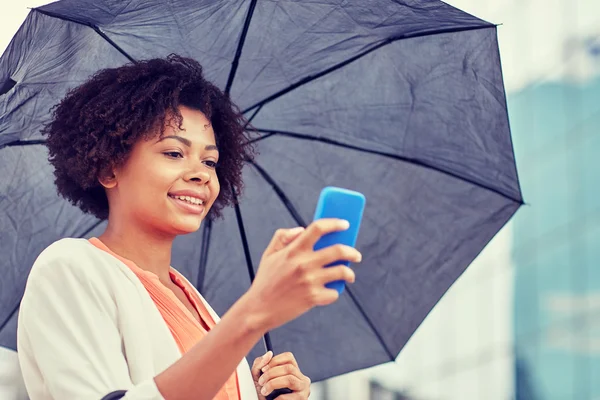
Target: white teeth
189,199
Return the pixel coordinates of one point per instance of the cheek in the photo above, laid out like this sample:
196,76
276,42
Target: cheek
152,185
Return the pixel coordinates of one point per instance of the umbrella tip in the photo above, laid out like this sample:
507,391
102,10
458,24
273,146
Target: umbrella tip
7,85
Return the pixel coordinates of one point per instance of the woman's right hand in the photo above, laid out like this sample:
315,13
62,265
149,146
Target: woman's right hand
291,278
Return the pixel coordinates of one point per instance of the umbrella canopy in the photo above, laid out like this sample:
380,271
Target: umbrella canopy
400,100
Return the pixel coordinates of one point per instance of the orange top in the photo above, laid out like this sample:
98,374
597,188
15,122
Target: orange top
185,328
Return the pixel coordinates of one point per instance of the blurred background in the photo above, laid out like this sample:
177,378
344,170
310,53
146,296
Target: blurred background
523,322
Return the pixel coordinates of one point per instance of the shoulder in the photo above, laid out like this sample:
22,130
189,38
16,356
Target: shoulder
71,272
70,256
64,248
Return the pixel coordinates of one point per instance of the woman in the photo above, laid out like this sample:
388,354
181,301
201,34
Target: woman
148,147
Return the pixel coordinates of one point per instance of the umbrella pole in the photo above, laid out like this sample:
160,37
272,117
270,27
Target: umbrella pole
240,222
206,230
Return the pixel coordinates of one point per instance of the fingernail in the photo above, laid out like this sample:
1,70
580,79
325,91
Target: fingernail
263,391
359,258
295,230
267,355
261,381
345,224
265,368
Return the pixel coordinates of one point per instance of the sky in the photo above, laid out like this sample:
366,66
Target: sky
542,39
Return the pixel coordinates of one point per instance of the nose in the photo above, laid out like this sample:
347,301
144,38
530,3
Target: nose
198,175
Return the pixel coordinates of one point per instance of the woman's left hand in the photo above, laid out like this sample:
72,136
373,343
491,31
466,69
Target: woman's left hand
280,372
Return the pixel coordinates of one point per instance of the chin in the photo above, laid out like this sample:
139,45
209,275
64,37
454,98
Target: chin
177,225
185,227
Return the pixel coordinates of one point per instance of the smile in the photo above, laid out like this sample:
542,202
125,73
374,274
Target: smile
191,200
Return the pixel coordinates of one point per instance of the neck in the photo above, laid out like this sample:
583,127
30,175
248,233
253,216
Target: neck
150,251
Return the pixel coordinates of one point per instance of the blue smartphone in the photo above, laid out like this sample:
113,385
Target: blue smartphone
345,204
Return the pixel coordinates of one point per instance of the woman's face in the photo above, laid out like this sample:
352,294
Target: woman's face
169,183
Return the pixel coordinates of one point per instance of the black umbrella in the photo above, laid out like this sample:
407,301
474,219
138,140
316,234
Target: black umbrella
400,100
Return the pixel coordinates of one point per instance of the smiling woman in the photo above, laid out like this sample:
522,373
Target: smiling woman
148,146
179,166
92,134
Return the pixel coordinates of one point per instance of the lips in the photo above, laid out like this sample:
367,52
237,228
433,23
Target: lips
189,199
188,206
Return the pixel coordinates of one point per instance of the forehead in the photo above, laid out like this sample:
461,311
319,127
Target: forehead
195,126
195,118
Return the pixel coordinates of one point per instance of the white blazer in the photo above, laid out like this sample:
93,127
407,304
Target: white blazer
87,326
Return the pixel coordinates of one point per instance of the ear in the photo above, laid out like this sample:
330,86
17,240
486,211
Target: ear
107,178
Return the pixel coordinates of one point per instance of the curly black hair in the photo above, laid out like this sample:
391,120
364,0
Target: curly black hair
96,124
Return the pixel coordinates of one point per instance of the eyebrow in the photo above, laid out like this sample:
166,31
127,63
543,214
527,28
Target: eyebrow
187,142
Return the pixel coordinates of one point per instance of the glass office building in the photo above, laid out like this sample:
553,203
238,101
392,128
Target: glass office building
556,241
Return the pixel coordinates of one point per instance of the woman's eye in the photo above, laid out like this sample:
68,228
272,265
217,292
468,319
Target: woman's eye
211,164
173,154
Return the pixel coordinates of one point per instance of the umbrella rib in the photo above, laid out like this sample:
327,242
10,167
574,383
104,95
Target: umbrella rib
249,120
284,199
247,255
240,222
270,133
342,64
254,114
261,138
371,325
23,143
238,52
90,25
206,231
290,207
292,210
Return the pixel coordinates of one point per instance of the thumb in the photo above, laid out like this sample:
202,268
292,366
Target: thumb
282,238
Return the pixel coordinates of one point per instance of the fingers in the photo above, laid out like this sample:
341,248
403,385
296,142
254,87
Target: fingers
290,234
289,381
318,228
281,238
293,396
338,252
326,296
305,239
281,359
339,273
280,371
320,294
259,363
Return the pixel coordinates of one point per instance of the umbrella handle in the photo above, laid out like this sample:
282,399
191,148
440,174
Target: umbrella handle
277,392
